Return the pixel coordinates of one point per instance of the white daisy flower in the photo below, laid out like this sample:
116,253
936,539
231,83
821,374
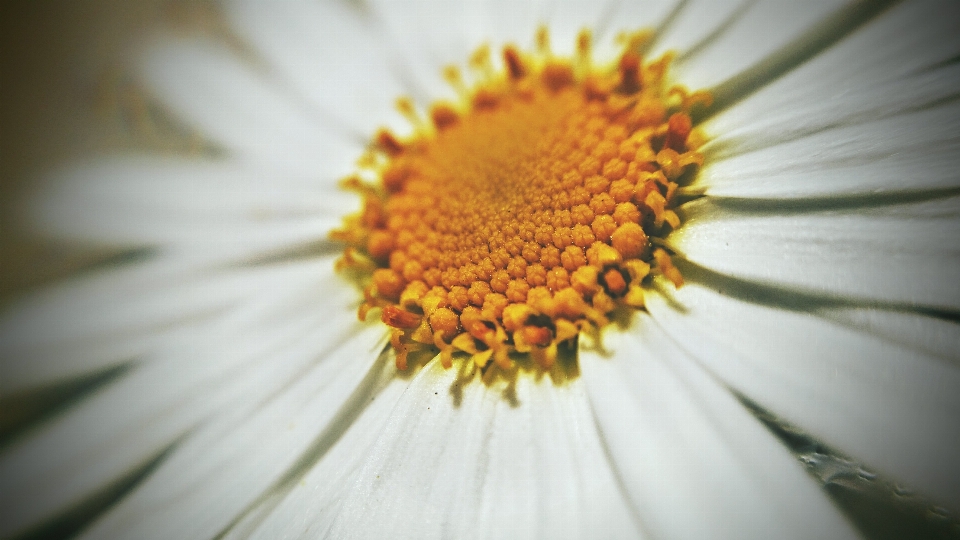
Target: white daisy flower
216,382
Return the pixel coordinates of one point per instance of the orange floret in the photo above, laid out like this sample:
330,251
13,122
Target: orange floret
511,220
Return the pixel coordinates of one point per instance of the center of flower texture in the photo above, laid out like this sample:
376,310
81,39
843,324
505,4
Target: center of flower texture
528,212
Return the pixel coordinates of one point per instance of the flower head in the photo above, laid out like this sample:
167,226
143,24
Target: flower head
528,212
226,388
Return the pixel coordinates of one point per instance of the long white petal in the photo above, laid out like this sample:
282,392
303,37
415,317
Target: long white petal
893,408
245,110
328,54
630,16
925,333
865,76
229,462
141,200
565,19
763,28
695,462
213,368
312,504
505,21
432,33
466,461
912,151
100,320
427,35
900,257
695,21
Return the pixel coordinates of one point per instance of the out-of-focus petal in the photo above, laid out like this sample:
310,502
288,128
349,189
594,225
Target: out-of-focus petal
219,366
244,110
197,491
152,201
330,55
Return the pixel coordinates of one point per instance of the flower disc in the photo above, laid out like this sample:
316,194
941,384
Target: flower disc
530,211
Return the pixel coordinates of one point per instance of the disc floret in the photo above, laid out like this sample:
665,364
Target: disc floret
527,212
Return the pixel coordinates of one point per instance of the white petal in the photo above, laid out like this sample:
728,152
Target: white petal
329,54
100,320
505,21
565,19
210,368
466,461
762,29
906,259
228,463
865,76
695,21
893,408
244,110
630,16
313,502
695,462
431,33
627,17
129,200
905,152
427,35
924,333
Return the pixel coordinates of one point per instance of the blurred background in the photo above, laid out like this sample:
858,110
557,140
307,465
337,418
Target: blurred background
67,92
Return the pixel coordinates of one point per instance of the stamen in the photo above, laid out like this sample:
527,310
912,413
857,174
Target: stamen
454,78
443,116
406,107
388,143
584,52
543,42
515,67
480,62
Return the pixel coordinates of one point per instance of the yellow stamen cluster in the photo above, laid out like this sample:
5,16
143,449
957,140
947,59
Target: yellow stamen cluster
525,214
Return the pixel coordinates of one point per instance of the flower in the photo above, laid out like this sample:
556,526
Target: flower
225,387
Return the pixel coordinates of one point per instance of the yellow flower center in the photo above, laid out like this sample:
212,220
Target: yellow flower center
530,211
